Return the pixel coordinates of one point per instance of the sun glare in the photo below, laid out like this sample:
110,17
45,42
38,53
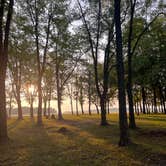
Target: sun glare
31,89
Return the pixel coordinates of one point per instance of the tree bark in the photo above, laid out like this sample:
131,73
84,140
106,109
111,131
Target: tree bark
103,111
3,65
143,99
71,104
82,108
77,105
97,109
31,107
20,116
39,112
124,136
155,101
45,107
132,123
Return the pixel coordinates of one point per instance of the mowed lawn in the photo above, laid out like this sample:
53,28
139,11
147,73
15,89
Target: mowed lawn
82,141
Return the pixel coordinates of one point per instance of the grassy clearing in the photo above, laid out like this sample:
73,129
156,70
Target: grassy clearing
81,141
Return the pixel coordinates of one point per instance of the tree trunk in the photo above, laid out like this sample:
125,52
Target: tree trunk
71,104
3,65
20,116
10,107
89,92
77,105
103,111
60,117
124,137
143,100
132,123
89,104
140,105
31,108
97,109
108,107
162,100
39,113
49,102
45,107
3,117
82,108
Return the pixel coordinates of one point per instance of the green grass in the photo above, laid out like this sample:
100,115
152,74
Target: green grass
84,142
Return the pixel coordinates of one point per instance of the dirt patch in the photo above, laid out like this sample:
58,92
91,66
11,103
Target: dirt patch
63,130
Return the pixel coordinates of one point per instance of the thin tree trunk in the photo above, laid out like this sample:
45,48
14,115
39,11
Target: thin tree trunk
45,107
89,92
162,99
77,105
97,109
10,107
31,108
20,116
82,108
39,113
49,102
143,100
71,104
89,105
132,123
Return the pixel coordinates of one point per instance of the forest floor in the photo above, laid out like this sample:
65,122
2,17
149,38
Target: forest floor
78,141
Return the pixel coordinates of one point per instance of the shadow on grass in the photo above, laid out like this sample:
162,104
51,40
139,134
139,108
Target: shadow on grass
13,124
110,134
72,142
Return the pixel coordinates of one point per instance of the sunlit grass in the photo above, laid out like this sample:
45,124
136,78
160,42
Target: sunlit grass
83,142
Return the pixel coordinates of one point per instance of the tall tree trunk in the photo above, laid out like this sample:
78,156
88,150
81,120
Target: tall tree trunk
89,92
162,99
20,116
132,123
143,99
10,107
18,99
60,117
124,136
45,107
82,108
3,65
39,113
77,105
97,109
3,117
49,102
71,104
140,105
89,104
31,107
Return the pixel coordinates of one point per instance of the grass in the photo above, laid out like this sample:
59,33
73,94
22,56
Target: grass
81,141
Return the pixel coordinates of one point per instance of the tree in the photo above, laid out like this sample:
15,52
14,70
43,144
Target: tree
4,42
95,33
124,137
40,15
